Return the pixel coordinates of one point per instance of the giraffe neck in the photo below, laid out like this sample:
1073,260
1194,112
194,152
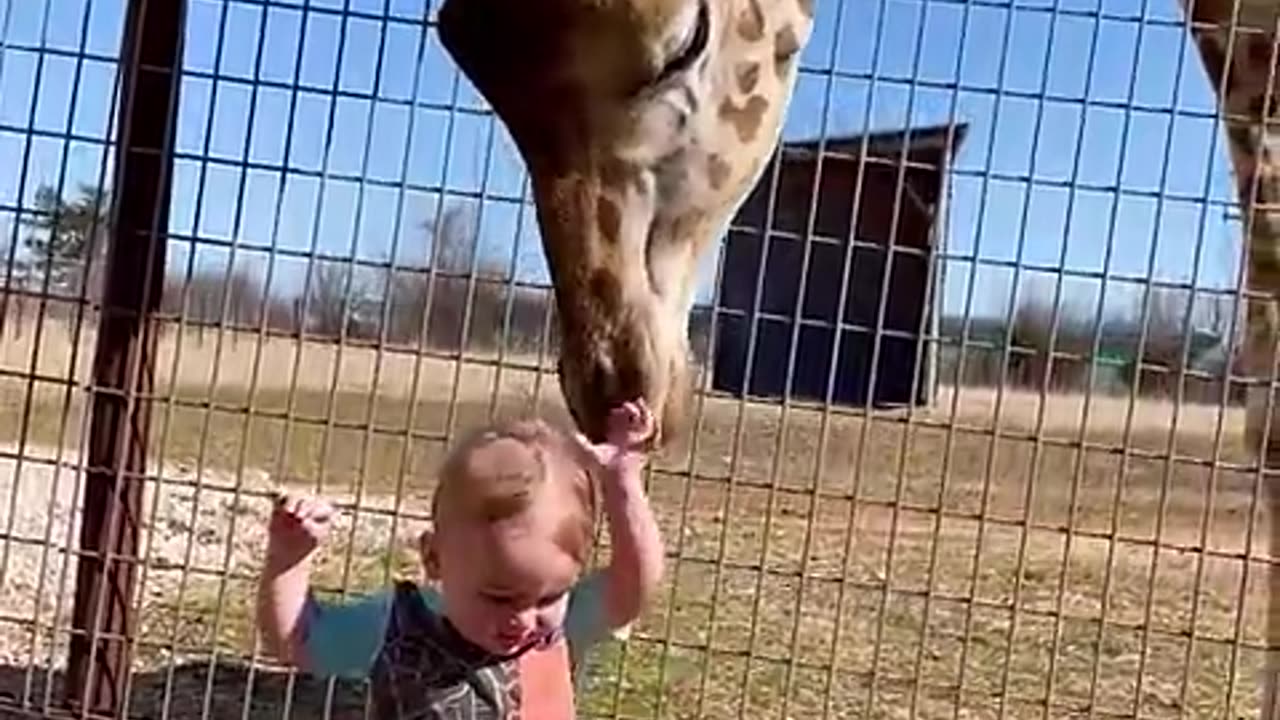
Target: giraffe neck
1240,67
1238,51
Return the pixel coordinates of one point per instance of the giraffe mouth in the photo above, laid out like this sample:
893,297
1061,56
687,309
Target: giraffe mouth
624,358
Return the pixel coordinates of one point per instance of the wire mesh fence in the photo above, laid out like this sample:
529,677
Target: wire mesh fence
968,438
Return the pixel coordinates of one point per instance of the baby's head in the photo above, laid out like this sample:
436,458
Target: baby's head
514,516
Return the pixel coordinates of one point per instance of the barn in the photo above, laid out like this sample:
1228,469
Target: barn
768,276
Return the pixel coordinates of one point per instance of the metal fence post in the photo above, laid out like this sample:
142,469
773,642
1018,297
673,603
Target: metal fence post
119,427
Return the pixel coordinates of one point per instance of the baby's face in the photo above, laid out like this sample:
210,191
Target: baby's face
506,583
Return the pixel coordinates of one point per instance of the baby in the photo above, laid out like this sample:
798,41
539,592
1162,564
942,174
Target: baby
511,613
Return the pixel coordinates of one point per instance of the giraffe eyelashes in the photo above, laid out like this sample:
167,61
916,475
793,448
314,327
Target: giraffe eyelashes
692,48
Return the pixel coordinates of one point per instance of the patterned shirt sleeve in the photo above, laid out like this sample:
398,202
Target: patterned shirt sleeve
345,636
585,623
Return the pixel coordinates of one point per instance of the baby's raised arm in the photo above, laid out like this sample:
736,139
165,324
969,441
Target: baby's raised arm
297,526
636,562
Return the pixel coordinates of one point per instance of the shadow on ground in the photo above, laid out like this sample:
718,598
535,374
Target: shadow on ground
229,690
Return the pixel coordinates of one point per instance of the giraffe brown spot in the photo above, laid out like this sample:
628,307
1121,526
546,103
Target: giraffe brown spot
618,175
1238,134
1262,252
608,219
1245,169
751,22
781,66
1258,106
1270,189
1258,52
613,173
746,120
718,171
748,74
785,46
806,7
603,285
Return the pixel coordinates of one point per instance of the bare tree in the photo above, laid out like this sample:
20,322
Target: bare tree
454,239
407,296
467,287
452,245
1189,342
1163,357
327,298
12,282
340,299
1045,346
214,297
239,294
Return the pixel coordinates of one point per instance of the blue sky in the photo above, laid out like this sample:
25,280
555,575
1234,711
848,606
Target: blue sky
1091,137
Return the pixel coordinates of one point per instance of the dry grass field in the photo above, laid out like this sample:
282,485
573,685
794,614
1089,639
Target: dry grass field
988,556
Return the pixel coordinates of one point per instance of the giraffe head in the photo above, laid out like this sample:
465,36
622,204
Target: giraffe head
643,124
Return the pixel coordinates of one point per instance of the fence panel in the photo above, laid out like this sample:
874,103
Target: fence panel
969,431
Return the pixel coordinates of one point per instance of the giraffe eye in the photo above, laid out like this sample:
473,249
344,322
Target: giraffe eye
692,48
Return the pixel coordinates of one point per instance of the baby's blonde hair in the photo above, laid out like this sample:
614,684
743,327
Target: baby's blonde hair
555,461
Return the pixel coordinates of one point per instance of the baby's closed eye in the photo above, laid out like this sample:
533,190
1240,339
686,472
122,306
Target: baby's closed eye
513,600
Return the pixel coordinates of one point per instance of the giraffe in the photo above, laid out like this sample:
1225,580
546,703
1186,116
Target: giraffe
643,124
1236,43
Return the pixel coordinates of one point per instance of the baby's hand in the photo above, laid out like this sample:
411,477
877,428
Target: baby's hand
631,427
298,524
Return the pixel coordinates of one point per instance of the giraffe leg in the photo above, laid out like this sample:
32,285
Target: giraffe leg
1237,45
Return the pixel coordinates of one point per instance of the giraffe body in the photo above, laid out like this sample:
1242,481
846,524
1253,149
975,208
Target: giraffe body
1238,51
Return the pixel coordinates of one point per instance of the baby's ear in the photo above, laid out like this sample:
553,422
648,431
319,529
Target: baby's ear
427,551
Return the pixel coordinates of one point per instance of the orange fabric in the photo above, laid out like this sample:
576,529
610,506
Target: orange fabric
546,685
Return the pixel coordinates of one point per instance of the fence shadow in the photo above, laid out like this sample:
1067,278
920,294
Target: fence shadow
228,689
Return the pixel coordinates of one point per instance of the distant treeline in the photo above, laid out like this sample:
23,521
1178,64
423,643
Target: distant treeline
468,303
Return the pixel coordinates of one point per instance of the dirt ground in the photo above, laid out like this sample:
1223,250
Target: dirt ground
990,555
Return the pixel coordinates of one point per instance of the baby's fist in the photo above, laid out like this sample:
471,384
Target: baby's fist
630,430
631,426
298,524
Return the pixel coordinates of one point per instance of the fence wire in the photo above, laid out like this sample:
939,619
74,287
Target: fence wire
968,439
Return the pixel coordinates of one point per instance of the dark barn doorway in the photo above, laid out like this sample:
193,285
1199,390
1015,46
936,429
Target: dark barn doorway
905,266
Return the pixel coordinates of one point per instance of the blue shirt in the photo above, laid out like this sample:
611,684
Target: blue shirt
344,638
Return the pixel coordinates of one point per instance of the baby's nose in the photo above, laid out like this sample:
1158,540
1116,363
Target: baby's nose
524,621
